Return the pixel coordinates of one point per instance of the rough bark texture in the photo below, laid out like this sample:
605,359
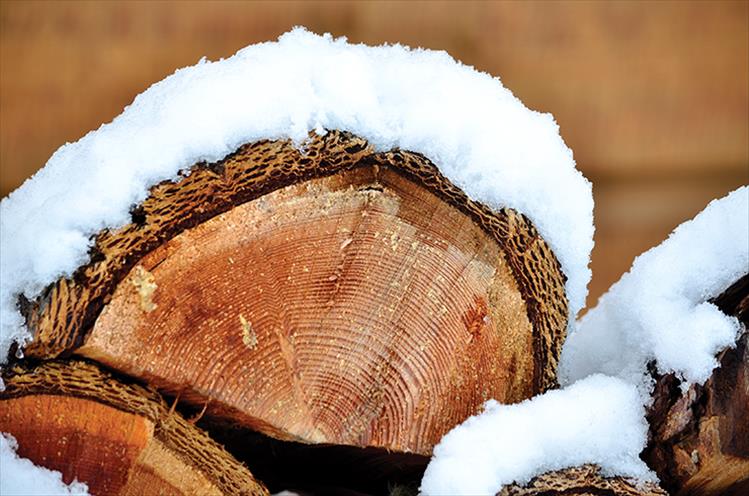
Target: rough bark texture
699,439
582,481
120,439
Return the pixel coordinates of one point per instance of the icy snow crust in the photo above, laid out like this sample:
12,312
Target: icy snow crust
479,135
657,311
19,476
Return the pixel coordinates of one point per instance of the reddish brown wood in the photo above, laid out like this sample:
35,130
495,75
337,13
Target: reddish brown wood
355,309
80,438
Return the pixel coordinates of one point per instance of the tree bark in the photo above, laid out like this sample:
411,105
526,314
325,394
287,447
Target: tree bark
120,439
582,481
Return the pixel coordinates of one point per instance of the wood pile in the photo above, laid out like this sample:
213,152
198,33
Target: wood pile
318,322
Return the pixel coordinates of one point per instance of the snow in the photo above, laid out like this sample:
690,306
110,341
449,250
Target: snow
659,309
597,420
479,135
19,476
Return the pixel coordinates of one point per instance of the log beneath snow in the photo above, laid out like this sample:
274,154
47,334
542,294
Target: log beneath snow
700,438
334,295
582,481
119,439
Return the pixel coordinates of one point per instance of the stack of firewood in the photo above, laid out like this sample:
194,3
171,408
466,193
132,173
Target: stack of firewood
317,322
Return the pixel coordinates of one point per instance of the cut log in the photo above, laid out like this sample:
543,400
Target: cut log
119,439
582,481
699,439
334,295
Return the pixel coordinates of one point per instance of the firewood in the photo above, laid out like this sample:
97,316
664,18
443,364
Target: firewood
120,439
582,481
327,295
699,438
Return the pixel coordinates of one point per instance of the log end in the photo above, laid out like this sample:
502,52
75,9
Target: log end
119,439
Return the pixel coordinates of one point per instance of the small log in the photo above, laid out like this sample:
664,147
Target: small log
699,439
334,295
582,481
119,439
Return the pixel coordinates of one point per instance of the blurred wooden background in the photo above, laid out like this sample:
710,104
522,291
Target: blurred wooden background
652,97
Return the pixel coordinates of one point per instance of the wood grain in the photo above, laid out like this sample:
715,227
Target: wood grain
82,439
355,309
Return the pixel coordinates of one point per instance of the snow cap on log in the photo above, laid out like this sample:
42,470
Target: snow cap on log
659,310
478,133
